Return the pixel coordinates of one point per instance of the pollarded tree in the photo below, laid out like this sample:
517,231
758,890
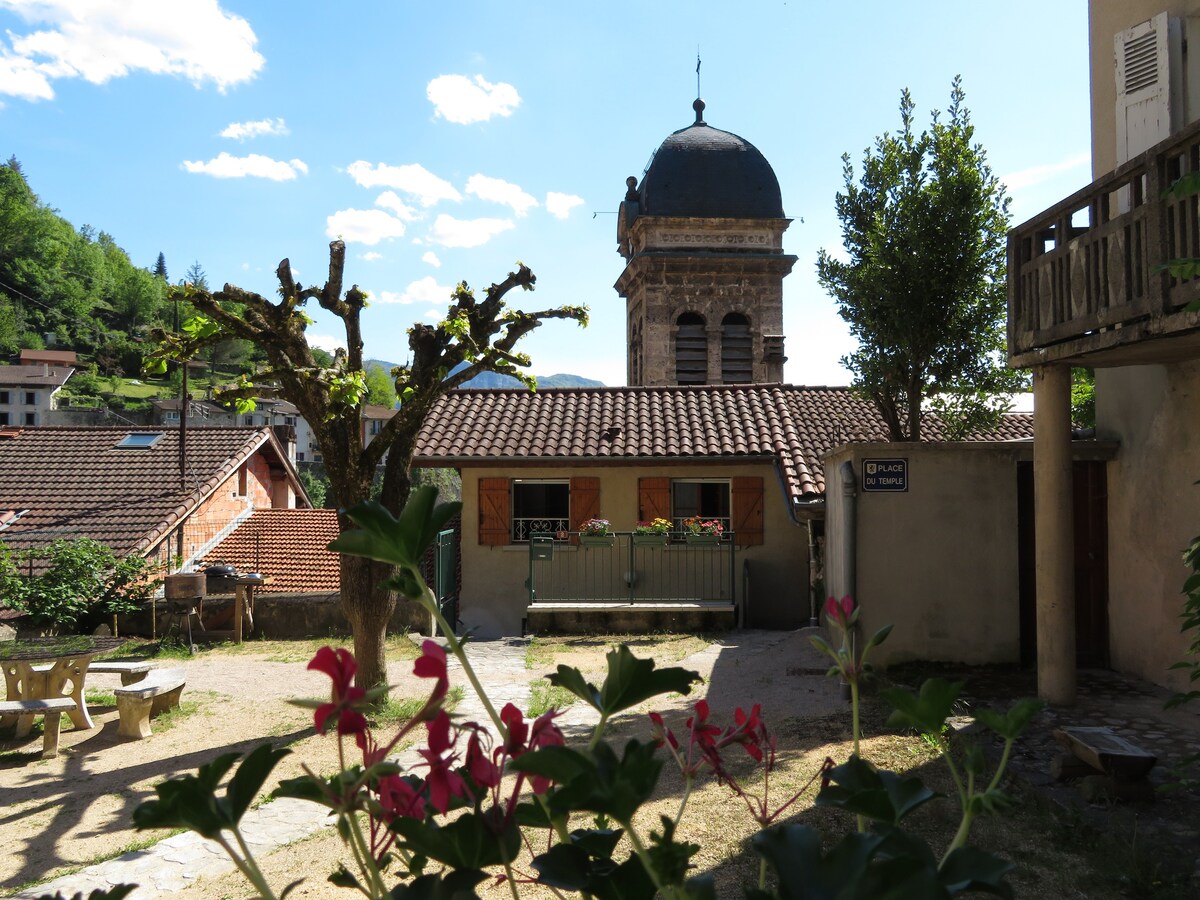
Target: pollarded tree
924,289
481,333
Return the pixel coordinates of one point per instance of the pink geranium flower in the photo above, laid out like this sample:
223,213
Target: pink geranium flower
340,666
432,664
840,611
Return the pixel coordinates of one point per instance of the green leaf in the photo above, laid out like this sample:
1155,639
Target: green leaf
927,711
1011,724
878,637
596,780
249,779
468,842
572,680
457,885
631,680
189,801
804,873
972,869
858,787
401,541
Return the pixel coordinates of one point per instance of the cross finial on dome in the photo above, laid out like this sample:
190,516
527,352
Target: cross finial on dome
698,106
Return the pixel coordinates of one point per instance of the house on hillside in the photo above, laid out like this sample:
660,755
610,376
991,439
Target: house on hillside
1088,288
137,490
29,392
63,359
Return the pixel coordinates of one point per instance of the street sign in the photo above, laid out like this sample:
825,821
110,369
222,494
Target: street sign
885,475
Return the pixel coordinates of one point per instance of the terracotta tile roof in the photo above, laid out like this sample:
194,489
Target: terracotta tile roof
796,426
288,545
73,482
34,376
53,357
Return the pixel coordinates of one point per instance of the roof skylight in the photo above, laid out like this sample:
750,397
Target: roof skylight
139,441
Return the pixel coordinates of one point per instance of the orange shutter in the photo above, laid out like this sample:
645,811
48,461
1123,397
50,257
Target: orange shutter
493,511
585,500
654,498
748,510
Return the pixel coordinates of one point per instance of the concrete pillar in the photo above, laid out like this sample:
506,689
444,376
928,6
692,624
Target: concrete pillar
1055,534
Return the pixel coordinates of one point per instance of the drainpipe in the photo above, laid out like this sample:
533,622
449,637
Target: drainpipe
849,527
813,600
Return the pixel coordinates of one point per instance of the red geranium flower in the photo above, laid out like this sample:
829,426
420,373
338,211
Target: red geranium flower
432,664
443,782
340,666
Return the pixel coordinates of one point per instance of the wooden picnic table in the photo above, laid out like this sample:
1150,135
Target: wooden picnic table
51,667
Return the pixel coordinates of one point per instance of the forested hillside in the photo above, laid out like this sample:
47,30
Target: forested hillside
74,285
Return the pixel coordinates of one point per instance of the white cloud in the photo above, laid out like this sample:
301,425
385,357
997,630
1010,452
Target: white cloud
390,200
499,191
413,179
370,256
1026,178
425,290
253,166
432,259
560,205
98,40
459,99
239,131
326,342
363,226
451,232
435,315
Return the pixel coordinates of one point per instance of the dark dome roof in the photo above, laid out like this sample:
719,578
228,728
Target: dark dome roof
706,172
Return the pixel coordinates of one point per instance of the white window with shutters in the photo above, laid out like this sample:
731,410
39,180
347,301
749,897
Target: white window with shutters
1149,84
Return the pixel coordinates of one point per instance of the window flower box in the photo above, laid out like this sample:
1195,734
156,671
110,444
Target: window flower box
650,540
703,538
597,540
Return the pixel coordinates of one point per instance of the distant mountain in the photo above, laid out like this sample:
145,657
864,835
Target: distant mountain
494,380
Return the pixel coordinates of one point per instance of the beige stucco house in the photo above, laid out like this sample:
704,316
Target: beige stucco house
1087,288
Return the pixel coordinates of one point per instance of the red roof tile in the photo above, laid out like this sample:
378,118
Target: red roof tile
288,546
796,426
73,482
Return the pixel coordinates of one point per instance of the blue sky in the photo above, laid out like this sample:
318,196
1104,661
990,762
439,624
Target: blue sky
445,141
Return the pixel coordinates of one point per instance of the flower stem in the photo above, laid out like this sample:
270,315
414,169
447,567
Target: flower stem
246,865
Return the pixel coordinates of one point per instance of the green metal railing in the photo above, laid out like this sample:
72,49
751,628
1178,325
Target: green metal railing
630,568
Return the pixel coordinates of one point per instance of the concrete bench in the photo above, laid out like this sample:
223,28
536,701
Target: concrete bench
137,702
129,670
51,711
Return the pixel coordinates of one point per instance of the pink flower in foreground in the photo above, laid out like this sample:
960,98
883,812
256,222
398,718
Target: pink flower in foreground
443,782
399,799
840,611
432,664
340,666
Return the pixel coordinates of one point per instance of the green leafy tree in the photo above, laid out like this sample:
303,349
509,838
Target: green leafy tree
381,390
482,333
316,486
77,583
924,287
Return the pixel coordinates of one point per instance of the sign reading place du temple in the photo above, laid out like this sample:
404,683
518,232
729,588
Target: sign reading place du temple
885,475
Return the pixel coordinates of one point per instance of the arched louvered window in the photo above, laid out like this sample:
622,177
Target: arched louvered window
691,350
737,360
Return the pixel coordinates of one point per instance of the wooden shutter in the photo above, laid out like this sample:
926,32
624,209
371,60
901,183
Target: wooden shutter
493,512
654,498
748,510
1145,94
585,500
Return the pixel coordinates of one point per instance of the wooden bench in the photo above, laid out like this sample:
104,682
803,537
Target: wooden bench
130,670
50,710
1111,767
137,702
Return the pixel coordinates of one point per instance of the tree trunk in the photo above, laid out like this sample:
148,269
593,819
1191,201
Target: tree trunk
369,608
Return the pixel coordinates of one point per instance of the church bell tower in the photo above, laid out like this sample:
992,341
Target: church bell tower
702,236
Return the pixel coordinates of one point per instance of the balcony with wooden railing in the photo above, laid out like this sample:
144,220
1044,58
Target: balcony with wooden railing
1087,283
